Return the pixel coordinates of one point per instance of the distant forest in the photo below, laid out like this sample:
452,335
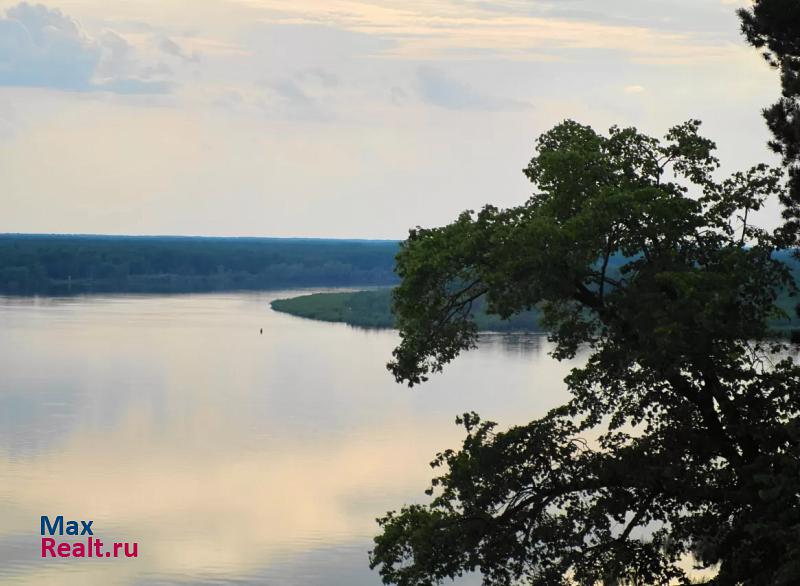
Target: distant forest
62,265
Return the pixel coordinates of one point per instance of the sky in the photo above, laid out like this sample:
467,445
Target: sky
340,118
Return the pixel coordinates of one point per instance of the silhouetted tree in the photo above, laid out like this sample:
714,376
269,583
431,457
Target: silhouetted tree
680,441
774,27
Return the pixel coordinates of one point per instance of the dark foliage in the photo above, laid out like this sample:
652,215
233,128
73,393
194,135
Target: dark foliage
373,309
773,26
681,443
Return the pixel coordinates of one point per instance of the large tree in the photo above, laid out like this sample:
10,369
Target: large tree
681,439
774,27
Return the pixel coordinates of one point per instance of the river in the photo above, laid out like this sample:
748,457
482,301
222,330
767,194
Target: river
229,456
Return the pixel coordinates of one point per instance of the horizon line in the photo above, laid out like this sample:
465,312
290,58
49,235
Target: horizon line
188,236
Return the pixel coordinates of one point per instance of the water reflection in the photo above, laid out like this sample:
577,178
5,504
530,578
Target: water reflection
231,457
516,342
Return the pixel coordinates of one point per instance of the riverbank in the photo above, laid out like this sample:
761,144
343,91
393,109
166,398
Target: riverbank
373,309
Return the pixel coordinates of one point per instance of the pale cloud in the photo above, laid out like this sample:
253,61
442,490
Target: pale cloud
320,75
119,55
305,94
393,102
43,47
437,88
432,30
398,95
132,85
633,89
170,47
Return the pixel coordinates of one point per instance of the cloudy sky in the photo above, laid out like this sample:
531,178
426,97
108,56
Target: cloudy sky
342,118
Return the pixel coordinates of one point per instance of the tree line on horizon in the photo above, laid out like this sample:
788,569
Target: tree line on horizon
54,264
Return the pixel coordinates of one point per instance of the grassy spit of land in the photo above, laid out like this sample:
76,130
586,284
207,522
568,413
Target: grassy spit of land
373,309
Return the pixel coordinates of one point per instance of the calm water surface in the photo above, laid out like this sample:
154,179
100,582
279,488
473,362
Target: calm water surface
231,457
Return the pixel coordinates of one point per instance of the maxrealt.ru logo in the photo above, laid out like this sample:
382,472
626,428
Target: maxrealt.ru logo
88,548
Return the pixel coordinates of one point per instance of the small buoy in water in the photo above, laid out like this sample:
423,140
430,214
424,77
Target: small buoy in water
261,331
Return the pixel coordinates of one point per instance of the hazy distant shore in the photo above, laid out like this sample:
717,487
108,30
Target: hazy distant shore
65,265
